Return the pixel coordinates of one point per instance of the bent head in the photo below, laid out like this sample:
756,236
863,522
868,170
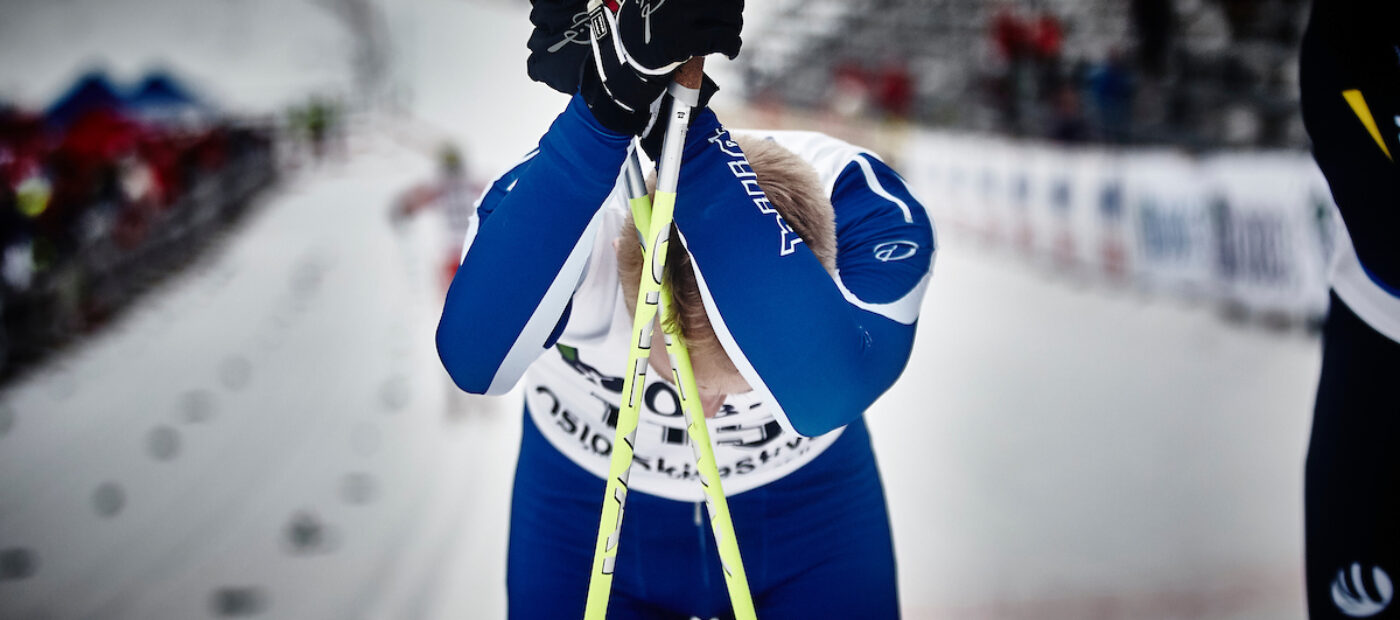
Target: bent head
792,187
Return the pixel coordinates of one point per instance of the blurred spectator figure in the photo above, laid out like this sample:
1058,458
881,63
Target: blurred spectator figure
86,173
1111,88
1046,39
454,194
316,125
895,90
1047,36
850,90
458,199
1031,52
1010,35
1067,122
130,188
1011,38
33,192
28,193
33,200
318,120
24,194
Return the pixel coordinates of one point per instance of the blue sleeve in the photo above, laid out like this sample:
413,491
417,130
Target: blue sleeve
822,349
510,295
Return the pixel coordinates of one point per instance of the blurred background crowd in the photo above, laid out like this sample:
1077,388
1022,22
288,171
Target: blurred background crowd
1154,143
104,181
101,163
1201,74
109,186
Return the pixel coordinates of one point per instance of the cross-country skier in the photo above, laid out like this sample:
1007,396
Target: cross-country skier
454,193
798,267
1350,78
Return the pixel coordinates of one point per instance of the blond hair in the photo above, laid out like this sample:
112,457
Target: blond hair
792,187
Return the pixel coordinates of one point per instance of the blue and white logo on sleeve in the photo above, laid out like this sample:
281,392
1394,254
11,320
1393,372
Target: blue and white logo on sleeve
895,250
748,179
1357,598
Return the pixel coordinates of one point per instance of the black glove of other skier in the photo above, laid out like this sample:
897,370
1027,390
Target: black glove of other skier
559,43
635,49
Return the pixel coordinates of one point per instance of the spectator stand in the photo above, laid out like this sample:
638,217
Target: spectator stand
103,193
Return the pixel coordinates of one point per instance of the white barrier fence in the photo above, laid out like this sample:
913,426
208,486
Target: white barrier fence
1249,229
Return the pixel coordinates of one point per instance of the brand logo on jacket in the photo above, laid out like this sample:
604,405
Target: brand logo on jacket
1359,597
895,250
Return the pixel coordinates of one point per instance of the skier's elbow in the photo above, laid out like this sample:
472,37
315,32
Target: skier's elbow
818,421
807,427
837,398
467,370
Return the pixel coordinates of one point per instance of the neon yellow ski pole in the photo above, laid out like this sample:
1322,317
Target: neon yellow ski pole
736,580
656,221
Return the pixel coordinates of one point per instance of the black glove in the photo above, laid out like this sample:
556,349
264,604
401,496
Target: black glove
658,35
559,43
623,90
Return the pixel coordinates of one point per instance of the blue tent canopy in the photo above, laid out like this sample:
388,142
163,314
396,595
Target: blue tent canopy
162,90
92,91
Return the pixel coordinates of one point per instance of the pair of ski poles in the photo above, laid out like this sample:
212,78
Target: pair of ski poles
653,220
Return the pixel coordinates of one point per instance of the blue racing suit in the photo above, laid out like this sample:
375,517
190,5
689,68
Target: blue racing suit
537,297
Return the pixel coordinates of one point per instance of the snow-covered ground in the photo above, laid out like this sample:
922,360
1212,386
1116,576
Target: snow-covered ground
266,432
1063,452
269,434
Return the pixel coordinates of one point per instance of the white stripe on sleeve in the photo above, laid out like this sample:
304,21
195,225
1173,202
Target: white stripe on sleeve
528,344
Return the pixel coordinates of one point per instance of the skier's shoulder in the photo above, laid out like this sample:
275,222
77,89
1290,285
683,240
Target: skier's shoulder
828,155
